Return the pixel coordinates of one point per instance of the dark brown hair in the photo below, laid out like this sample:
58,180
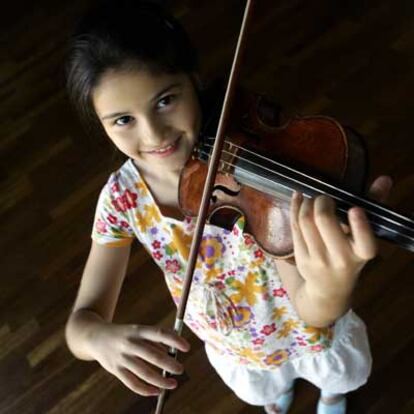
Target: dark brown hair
123,34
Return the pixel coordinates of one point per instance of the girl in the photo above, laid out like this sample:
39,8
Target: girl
132,73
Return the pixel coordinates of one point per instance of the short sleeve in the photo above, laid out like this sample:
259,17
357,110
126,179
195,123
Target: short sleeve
111,224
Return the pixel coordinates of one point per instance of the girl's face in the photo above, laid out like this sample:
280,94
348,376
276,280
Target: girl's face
153,119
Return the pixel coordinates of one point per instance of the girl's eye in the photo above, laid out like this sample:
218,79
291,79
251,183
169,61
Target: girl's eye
123,120
166,101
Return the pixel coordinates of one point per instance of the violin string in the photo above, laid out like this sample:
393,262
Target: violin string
292,189
411,239
265,178
312,179
339,190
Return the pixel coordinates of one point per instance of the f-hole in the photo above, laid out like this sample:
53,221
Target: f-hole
225,190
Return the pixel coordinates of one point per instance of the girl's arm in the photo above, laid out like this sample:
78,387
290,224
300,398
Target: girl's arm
133,353
97,296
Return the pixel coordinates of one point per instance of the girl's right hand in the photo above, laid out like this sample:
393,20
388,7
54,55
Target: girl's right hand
133,352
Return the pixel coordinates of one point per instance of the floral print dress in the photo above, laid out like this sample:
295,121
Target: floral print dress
237,304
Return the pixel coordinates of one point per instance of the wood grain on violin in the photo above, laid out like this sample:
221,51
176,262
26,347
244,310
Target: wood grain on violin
349,60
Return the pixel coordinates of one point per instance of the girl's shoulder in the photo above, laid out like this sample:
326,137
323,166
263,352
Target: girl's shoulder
123,182
127,174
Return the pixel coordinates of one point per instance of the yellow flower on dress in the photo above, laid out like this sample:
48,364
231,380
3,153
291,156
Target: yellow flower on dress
278,312
140,186
176,292
153,213
287,326
317,333
250,355
211,274
242,316
180,241
150,218
211,250
246,290
277,358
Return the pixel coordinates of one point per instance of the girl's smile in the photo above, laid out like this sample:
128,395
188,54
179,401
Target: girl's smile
152,118
166,150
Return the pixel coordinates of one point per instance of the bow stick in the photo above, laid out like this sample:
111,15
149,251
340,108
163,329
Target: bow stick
208,188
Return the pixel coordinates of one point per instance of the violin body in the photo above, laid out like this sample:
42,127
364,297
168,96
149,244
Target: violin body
263,162
315,145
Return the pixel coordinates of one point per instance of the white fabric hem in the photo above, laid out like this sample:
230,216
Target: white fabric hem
342,368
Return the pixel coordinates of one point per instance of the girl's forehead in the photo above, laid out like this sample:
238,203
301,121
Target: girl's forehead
132,86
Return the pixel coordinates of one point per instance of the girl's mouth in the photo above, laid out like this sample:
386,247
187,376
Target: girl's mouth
166,151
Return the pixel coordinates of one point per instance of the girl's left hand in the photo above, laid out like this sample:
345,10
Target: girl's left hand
328,255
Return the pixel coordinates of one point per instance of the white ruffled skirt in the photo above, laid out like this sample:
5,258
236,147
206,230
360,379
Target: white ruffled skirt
342,368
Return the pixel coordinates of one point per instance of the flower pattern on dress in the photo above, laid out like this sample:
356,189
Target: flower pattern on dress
243,315
100,226
180,242
211,250
287,327
317,334
237,303
277,358
172,266
246,291
279,312
150,217
126,201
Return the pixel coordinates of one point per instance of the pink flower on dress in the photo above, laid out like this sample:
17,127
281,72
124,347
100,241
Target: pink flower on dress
236,231
268,329
279,292
317,348
300,340
101,226
156,244
258,253
172,265
247,240
258,341
157,255
124,224
112,219
125,201
115,188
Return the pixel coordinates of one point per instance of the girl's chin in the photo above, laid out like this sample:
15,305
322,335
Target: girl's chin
172,162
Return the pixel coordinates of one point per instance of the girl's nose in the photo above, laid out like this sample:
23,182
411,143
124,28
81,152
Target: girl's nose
152,132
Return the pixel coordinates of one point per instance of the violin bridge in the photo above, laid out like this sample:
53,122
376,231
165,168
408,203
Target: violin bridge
228,157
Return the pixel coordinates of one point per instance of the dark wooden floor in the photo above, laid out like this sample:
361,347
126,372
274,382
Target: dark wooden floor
350,59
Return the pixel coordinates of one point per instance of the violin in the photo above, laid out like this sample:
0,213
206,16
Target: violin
263,163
